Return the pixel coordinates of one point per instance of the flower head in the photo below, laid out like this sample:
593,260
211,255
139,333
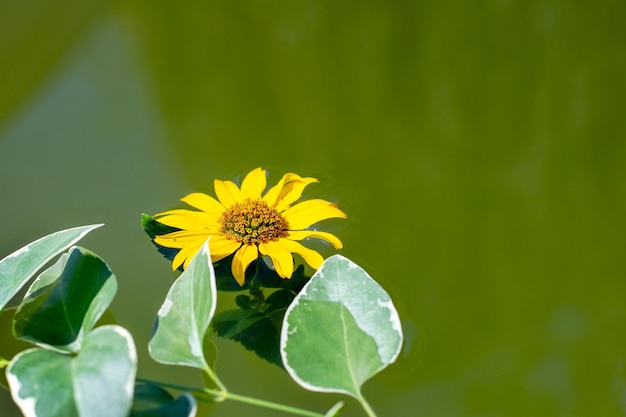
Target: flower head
250,223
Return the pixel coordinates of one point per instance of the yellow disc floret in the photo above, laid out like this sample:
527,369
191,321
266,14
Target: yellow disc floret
252,222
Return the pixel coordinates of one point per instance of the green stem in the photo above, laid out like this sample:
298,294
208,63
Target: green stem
223,394
215,379
368,409
272,405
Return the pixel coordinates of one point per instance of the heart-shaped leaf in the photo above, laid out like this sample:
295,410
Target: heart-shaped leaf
184,317
340,330
17,268
98,382
65,301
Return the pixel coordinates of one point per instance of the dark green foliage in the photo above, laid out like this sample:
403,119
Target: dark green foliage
257,324
252,329
151,400
153,228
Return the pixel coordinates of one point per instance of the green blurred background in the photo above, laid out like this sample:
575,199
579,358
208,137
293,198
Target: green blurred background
479,149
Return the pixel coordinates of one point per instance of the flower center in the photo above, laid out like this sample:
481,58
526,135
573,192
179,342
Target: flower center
253,221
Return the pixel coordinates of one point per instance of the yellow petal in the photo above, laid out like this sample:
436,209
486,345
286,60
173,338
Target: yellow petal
206,203
309,212
227,192
311,257
220,247
188,220
244,257
292,192
189,258
314,234
254,184
183,257
273,194
180,239
281,258
178,260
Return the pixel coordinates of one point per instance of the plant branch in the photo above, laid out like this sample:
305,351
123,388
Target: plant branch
270,404
223,394
368,409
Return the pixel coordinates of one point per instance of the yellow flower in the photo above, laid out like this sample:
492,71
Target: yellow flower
249,224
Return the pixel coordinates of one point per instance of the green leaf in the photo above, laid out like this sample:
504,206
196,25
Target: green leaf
21,265
98,382
65,301
257,330
184,317
154,228
153,401
340,330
